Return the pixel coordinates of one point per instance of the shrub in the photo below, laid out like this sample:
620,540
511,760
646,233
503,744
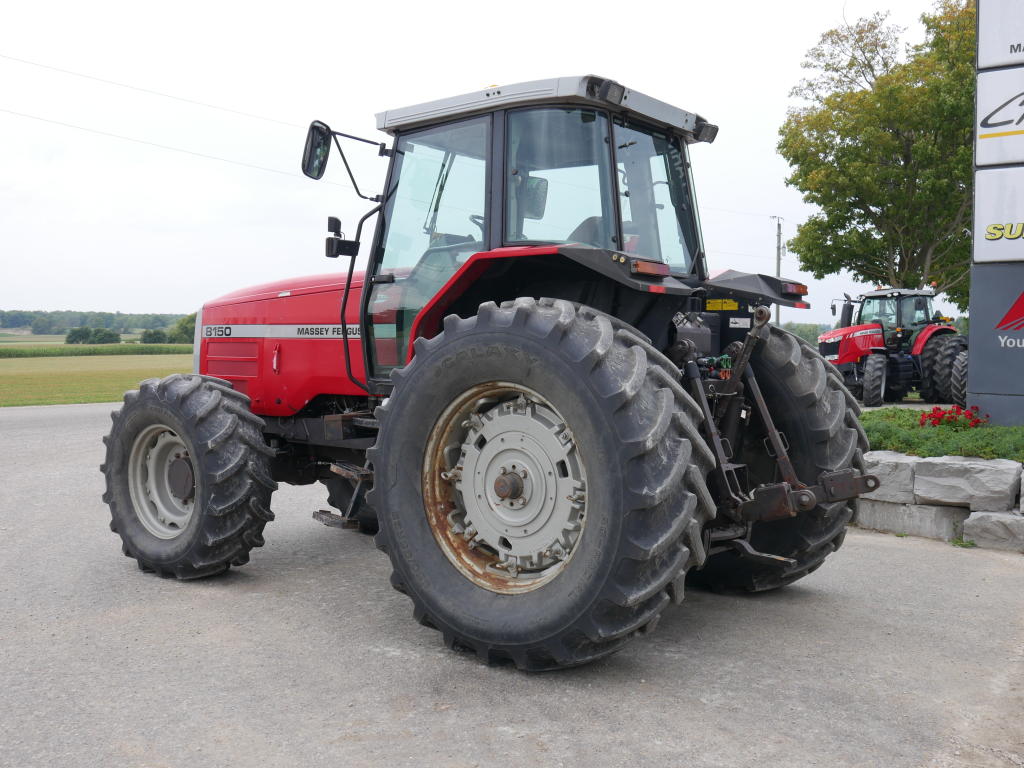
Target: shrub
104,336
78,336
154,337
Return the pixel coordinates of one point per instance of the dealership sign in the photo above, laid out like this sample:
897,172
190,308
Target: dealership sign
995,378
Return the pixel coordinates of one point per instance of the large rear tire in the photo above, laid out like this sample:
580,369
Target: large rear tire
958,379
187,476
929,392
819,417
949,347
612,483
876,373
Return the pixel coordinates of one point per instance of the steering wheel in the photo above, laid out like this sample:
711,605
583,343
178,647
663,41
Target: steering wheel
479,220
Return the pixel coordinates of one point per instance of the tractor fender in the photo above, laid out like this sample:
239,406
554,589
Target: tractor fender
609,266
927,333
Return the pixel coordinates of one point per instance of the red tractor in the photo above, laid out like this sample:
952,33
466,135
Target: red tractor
897,343
533,393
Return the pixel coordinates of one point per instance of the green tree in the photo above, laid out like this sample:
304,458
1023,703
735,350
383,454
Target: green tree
883,148
104,336
154,336
183,331
78,336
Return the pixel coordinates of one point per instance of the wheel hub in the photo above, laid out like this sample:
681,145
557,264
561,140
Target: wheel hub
521,486
161,481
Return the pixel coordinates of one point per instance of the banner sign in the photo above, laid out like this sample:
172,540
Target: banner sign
999,126
999,214
1000,33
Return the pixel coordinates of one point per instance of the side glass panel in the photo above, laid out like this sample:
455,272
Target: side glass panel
434,219
568,148
658,218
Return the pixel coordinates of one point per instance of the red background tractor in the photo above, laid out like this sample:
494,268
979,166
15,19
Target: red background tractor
896,344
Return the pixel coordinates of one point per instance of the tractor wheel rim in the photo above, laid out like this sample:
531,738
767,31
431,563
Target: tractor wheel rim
162,481
504,487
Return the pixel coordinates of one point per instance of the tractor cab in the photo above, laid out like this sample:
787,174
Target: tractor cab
577,178
902,314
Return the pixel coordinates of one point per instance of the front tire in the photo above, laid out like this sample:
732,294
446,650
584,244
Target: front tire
187,476
876,373
613,460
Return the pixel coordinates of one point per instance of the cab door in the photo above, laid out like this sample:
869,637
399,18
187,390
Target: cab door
434,217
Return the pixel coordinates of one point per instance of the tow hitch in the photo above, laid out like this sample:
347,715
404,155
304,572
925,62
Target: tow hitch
769,501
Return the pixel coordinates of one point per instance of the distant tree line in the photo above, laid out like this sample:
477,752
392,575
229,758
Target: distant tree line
180,333
62,321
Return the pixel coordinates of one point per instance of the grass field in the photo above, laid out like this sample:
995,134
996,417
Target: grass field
53,380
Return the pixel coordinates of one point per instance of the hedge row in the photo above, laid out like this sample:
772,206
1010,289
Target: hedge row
79,350
898,429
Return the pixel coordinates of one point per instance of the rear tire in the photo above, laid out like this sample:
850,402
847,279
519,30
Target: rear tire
819,417
876,373
948,348
929,393
631,448
958,379
187,476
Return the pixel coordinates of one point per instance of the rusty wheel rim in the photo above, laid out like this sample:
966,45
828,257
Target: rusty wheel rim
504,487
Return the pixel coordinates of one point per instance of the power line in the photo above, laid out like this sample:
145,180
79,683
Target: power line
149,91
167,147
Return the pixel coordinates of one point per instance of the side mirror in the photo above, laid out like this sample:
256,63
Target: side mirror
318,148
534,198
833,310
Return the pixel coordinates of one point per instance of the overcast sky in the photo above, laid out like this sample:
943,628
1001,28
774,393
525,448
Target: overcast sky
93,222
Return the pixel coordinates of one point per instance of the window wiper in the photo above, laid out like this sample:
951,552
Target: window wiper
442,178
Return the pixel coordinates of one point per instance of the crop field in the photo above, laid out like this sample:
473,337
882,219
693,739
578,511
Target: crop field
31,338
93,379
84,350
48,339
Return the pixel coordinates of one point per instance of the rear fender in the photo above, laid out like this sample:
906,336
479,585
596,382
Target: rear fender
595,276
926,333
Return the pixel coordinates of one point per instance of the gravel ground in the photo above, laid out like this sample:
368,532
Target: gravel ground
898,652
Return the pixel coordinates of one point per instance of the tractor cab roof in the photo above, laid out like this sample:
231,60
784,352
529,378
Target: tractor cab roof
898,292
589,90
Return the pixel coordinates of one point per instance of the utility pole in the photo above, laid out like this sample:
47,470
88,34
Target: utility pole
778,259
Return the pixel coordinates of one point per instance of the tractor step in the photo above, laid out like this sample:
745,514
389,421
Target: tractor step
352,472
333,520
366,422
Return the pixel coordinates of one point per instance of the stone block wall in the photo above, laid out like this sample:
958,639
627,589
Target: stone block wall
946,497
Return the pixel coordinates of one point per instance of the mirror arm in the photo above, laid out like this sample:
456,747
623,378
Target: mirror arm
344,159
368,214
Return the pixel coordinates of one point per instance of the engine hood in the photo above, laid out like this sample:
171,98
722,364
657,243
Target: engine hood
293,286
852,330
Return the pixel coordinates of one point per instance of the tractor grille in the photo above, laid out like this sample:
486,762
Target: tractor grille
829,349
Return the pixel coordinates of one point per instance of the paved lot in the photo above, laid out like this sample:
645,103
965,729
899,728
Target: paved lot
899,652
